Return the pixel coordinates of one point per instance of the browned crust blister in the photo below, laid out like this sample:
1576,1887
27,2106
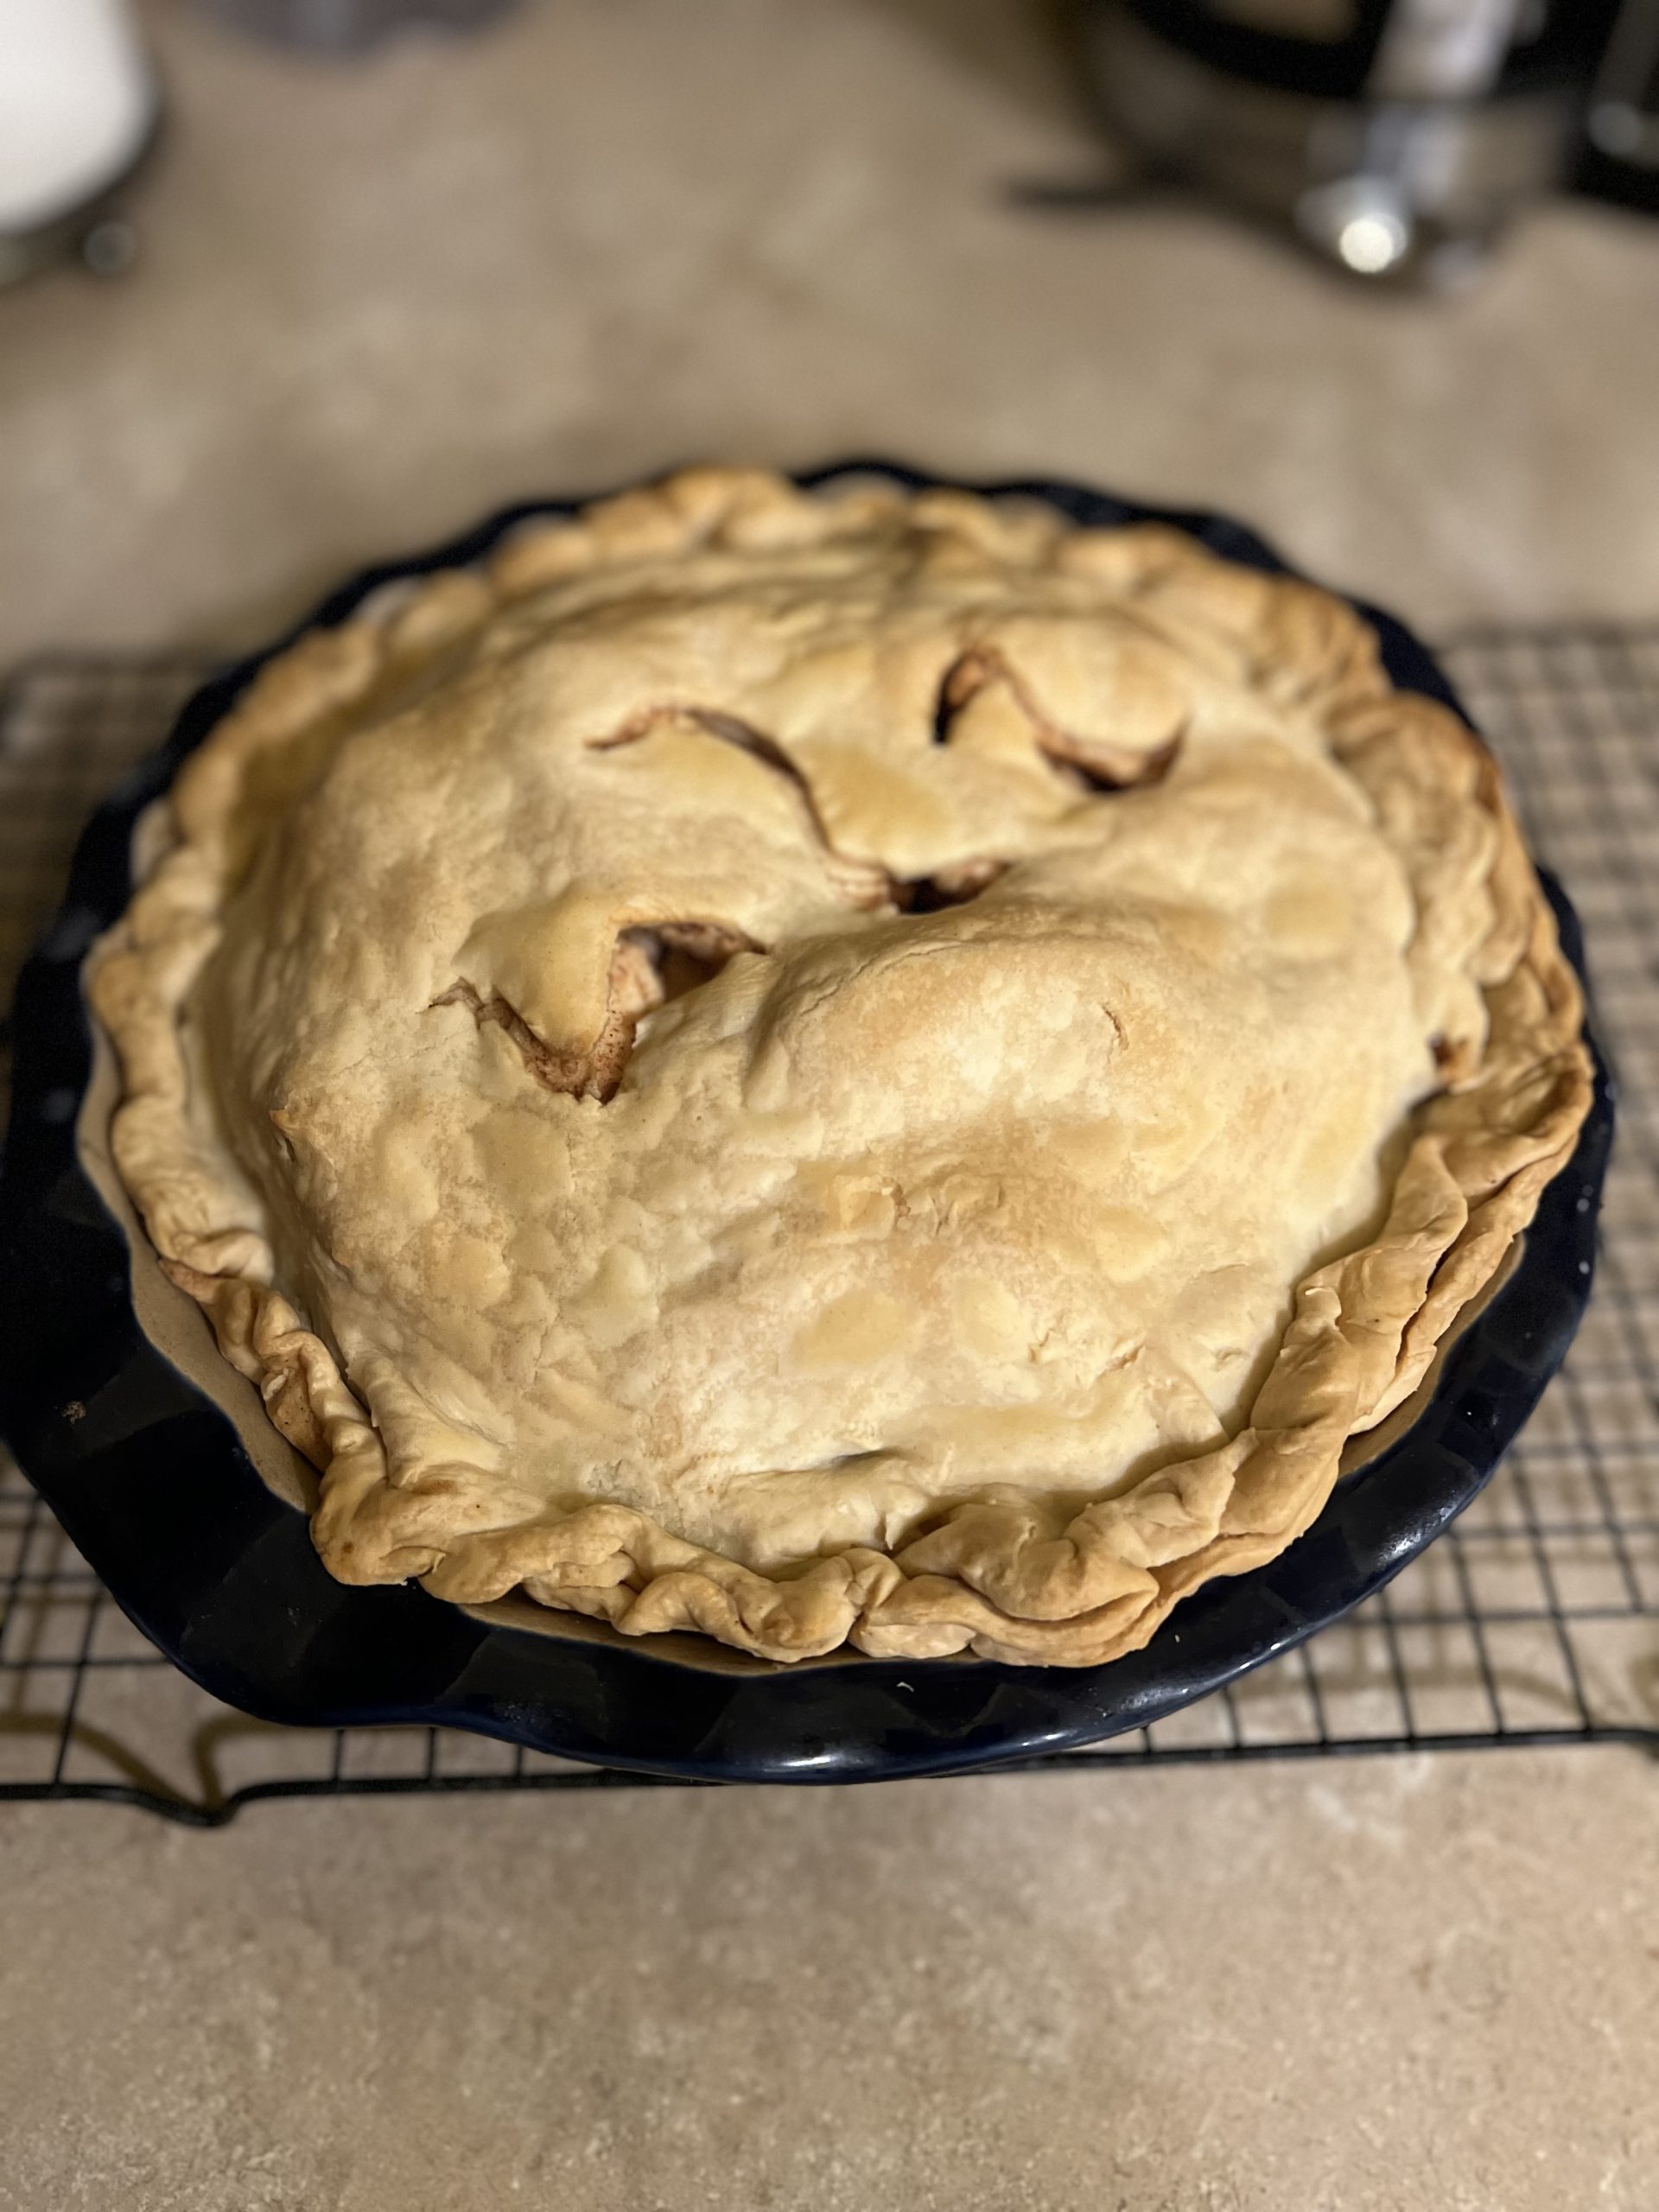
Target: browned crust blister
1006,1576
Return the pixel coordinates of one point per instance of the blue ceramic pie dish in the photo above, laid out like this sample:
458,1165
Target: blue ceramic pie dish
155,1487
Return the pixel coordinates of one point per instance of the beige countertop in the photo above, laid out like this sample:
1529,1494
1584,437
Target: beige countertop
1390,1986
372,302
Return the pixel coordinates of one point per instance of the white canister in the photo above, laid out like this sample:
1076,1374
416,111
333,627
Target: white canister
78,102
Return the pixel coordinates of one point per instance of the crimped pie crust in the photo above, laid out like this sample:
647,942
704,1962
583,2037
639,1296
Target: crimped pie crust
872,1067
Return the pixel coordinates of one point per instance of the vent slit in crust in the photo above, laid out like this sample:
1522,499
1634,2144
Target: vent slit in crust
862,883
649,967
948,887
1095,763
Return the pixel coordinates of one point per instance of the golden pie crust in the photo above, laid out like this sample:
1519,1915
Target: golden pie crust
862,1067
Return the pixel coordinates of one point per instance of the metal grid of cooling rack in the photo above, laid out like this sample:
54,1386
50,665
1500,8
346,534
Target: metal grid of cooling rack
1535,1620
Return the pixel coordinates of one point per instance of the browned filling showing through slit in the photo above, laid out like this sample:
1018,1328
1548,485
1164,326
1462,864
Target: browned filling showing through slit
649,967
1095,763
951,887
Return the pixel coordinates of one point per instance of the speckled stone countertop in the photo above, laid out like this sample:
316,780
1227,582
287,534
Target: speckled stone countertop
372,302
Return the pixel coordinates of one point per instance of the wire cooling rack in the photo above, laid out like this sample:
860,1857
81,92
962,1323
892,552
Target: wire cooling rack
1534,1620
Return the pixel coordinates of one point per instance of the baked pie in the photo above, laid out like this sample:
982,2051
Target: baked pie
866,1067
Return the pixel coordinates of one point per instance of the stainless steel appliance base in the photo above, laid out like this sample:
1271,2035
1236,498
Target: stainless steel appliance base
1387,190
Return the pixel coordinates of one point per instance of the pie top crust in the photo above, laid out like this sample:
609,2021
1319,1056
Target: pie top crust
871,1067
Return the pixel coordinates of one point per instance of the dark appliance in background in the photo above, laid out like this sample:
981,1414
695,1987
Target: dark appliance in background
1620,157
350,26
1397,138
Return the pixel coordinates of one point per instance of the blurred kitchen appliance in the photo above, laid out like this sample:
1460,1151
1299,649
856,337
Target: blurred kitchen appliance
1397,138
78,107
1621,151
349,25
